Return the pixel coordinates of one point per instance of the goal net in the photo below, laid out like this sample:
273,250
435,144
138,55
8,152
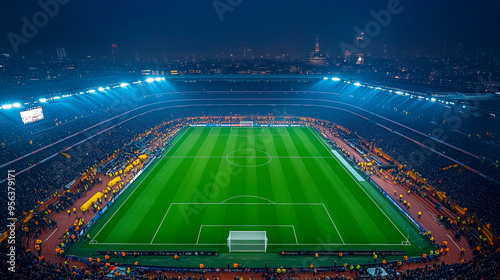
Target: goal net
247,241
246,123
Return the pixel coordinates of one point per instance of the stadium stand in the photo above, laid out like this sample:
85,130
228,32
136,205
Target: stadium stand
102,135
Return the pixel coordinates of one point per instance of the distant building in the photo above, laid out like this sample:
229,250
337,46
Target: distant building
316,58
61,53
114,52
360,44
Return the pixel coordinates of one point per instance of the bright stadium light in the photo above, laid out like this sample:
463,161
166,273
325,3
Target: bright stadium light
56,97
43,100
158,79
335,79
6,106
325,78
150,80
101,89
357,84
91,91
107,87
123,85
433,99
17,105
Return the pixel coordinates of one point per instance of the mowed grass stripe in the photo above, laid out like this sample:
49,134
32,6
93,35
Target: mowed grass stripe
184,191
382,226
305,183
274,175
112,230
309,180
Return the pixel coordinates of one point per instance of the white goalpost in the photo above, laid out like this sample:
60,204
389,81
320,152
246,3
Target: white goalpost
246,123
247,241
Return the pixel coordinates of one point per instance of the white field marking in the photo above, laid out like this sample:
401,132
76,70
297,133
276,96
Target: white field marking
161,223
255,165
349,167
258,203
252,196
453,241
284,157
199,233
249,203
333,223
235,128
50,235
243,128
357,183
294,233
159,160
292,226
269,244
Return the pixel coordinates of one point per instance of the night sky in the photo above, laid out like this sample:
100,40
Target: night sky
194,27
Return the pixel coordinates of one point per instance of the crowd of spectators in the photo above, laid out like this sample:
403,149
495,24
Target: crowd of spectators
51,170
55,173
484,265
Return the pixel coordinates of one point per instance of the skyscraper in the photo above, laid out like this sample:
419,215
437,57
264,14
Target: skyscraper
360,44
316,58
114,52
61,53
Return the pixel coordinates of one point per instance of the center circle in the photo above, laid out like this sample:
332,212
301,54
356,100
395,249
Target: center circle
248,158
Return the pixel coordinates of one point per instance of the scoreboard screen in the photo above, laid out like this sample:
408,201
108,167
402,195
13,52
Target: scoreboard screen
32,115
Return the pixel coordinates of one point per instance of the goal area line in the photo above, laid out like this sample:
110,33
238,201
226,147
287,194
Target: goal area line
262,226
257,129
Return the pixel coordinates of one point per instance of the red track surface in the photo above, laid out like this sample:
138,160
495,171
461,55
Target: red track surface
429,220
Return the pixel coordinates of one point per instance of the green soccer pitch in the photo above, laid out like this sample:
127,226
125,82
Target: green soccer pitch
285,181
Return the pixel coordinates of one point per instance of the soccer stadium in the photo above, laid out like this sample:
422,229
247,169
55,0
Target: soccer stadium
284,176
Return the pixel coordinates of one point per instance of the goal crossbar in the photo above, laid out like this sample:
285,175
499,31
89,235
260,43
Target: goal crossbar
247,241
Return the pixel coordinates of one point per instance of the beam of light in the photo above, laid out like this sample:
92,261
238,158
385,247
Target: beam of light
43,100
150,80
56,97
6,106
101,89
124,85
433,99
325,78
335,79
158,79
17,105
357,84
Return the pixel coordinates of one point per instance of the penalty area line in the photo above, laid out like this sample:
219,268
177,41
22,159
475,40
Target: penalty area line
357,183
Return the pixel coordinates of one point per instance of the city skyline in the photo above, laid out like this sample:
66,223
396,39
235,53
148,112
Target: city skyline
230,26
